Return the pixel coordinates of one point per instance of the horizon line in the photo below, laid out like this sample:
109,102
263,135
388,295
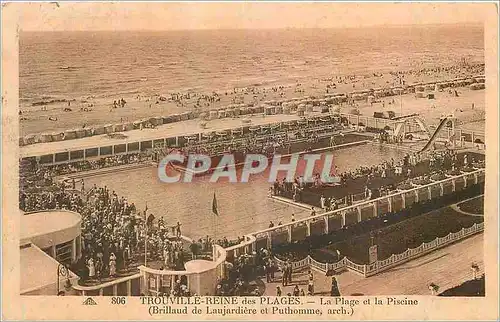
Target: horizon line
468,23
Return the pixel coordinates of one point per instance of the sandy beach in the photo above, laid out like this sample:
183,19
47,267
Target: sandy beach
72,113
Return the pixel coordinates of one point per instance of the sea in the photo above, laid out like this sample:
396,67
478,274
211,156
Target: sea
67,65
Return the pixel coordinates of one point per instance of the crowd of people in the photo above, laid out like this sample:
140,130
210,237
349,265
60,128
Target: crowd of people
371,182
114,231
268,145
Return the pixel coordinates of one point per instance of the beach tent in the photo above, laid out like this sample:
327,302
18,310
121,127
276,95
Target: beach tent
175,117
203,116
80,133
419,94
29,139
57,136
229,113
243,110
89,132
269,110
158,120
44,137
259,109
118,127
410,89
397,91
137,125
419,88
279,109
167,119
70,134
108,128
196,113
213,114
98,130
221,114
152,121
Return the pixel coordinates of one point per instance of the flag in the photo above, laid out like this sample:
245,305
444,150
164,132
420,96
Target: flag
214,206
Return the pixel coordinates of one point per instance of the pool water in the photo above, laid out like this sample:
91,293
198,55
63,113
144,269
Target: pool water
243,207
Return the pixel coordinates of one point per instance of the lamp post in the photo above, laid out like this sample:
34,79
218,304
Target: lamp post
62,271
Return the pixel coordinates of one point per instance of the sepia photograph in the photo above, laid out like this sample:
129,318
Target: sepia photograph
178,154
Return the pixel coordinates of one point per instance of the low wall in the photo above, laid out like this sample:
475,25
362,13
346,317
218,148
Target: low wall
151,281
383,265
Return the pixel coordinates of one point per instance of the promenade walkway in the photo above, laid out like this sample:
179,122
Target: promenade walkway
447,267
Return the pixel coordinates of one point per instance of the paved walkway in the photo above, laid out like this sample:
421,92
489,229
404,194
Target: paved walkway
446,267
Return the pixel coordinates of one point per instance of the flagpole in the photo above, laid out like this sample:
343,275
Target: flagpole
215,210
146,236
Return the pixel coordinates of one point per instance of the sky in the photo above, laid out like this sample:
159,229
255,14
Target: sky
240,15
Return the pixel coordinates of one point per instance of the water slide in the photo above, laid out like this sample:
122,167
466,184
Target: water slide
399,127
434,136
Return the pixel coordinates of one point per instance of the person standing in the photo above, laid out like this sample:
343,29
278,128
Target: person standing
267,268
284,276
178,231
278,290
91,268
334,291
290,270
310,286
112,264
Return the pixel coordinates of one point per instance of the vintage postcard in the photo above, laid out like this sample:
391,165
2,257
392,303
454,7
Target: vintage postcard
249,161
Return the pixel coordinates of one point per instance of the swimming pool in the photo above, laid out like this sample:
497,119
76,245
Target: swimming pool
243,207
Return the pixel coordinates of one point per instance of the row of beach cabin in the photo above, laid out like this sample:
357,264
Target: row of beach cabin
298,105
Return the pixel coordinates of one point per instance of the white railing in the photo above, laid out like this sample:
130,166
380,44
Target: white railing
402,193
394,260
